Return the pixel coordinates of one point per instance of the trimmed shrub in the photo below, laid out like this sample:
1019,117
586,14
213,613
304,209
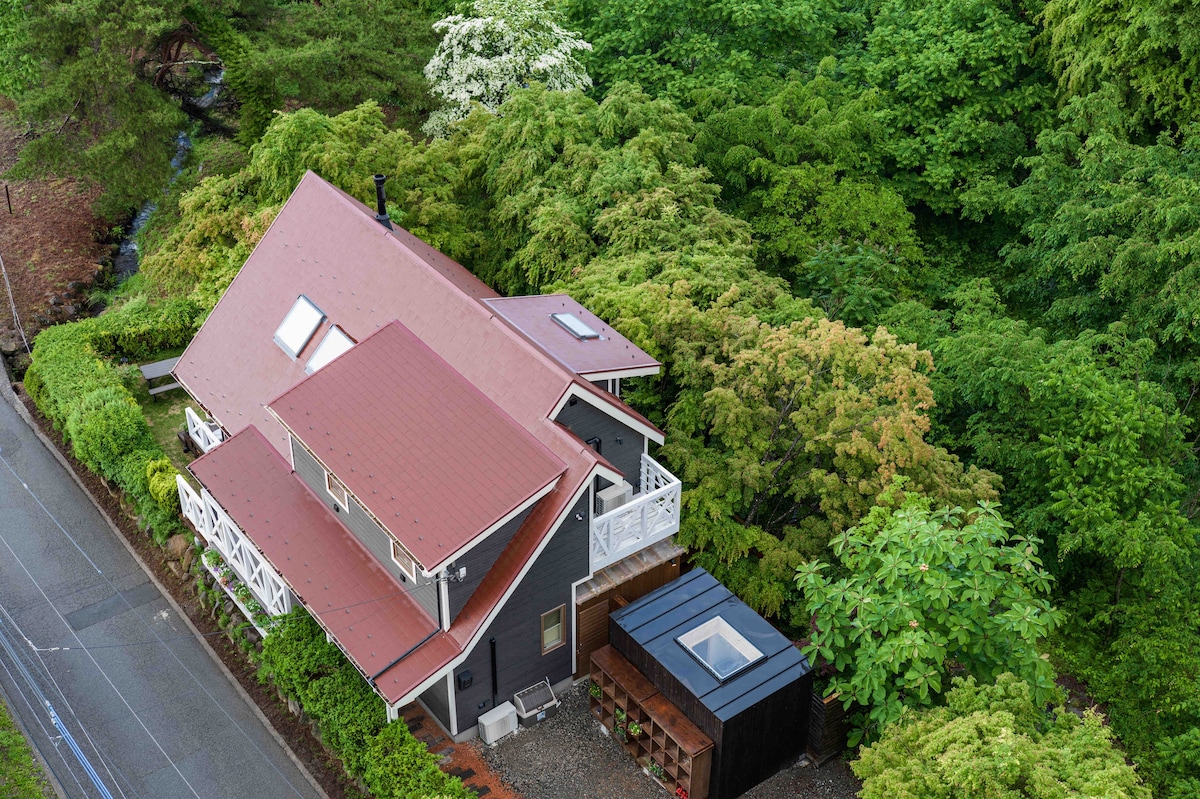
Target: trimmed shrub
399,766
74,384
352,718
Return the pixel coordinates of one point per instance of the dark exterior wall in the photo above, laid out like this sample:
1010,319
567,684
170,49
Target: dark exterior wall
743,757
364,528
480,559
587,422
517,628
437,702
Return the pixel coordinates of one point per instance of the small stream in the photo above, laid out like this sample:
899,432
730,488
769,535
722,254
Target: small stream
126,261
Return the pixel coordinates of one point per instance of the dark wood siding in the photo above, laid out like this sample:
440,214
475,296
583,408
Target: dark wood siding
593,613
758,718
437,702
517,628
587,422
479,560
364,528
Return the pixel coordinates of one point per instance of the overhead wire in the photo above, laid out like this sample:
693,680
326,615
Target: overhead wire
153,632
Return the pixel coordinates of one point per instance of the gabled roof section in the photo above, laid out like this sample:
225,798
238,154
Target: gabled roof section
594,350
373,617
436,461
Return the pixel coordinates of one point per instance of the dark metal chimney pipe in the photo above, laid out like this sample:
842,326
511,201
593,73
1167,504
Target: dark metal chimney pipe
381,203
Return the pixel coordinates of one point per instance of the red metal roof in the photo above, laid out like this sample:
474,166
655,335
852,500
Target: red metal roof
611,352
371,615
435,460
326,245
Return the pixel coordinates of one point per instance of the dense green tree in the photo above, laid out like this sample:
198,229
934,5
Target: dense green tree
785,435
798,166
1147,51
675,48
961,97
1110,228
925,592
996,741
83,78
1090,451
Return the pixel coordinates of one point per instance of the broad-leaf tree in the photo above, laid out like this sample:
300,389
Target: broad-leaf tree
503,46
924,591
960,95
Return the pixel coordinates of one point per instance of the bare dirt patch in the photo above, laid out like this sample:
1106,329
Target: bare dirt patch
50,241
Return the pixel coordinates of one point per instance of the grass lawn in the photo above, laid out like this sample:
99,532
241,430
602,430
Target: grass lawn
164,414
20,777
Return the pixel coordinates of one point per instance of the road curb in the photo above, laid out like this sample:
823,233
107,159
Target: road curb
23,412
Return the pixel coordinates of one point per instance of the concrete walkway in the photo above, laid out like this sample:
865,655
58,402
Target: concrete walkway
152,710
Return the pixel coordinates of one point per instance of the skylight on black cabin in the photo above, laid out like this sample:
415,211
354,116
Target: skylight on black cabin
720,648
575,326
297,328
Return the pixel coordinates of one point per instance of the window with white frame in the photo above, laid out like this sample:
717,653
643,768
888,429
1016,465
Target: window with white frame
553,628
403,559
336,489
297,328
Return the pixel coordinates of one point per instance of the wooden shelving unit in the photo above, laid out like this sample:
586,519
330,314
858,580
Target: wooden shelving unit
668,738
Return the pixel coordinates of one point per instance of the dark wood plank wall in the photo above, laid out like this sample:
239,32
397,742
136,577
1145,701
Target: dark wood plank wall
743,756
437,701
587,422
479,560
517,628
828,726
364,528
593,612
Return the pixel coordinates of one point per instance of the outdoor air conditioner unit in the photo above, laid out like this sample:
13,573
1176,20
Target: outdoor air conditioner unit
497,722
536,703
613,497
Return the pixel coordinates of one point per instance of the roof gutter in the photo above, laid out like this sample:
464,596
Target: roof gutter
414,648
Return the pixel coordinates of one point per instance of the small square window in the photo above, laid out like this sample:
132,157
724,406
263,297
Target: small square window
552,629
336,489
406,562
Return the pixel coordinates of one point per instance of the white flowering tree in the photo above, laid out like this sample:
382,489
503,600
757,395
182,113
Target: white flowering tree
506,45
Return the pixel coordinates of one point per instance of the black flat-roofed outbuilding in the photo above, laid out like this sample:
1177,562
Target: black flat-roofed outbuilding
757,716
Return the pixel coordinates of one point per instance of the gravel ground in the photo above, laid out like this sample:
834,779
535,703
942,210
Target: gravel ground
569,755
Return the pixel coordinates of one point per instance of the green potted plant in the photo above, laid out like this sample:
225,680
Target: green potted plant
656,770
594,689
634,728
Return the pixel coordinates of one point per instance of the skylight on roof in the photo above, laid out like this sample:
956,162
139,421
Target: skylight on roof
720,648
298,326
334,344
574,325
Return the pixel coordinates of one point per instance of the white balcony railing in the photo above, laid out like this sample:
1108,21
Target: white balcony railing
205,434
220,531
651,516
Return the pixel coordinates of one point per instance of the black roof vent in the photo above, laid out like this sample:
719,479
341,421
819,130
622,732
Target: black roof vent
381,203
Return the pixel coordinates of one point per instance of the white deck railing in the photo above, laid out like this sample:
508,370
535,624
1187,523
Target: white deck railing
205,434
651,516
223,534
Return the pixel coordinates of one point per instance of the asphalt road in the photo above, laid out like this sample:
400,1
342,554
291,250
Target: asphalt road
87,630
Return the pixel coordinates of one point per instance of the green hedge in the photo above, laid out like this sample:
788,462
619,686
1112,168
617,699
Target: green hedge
352,718
75,385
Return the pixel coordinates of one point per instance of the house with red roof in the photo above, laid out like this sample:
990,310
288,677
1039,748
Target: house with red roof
446,479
